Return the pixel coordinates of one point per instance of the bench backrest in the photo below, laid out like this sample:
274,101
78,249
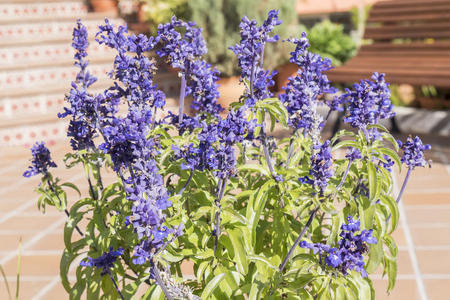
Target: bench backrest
409,19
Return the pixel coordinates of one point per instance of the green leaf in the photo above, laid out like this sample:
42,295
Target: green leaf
254,168
19,256
240,254
372,173
376,255
392,154
391,139
392,274
6,282
393,209
346,143
340,134
226,242
378,126
211,286
72,186
260,258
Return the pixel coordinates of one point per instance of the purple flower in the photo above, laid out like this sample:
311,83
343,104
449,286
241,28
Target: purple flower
235,128
413,152
250,51
352,246
368,102
387,164
353,154
321,163
126,138
41,160
84,107
302,92
180,51
105,261
203,87
145,189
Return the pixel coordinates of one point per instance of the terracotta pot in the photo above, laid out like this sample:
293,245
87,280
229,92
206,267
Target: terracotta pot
105,6
284,72
230,90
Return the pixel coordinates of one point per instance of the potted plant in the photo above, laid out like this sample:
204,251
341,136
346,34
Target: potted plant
256,217
103,6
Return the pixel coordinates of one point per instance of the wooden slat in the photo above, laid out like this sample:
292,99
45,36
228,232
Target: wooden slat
397,71
404,63
408,9
415,63
416,46
349,76
423,17
402,3
437,30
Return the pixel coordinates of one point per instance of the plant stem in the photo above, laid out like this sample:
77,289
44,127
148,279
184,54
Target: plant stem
267,156
186,183
115,284
161,283
100,181
399,197
291,148
182,94
217,229
297,241
50,184
252,74
345,175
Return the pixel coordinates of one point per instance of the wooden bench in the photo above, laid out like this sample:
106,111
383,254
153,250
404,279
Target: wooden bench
409,40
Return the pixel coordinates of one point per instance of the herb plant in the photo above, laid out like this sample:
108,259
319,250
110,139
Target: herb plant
257,217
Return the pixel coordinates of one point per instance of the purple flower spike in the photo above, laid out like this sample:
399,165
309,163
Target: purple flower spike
250,53
321,163
369,101
353,154
41,160
302,92
105,261
413,152
352,246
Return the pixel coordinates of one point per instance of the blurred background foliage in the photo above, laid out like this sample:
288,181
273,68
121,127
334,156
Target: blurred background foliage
337,39
329,40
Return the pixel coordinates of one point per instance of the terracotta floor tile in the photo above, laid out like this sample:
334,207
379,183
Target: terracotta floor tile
428,215
36,265
11,242
432,262
404,265
404,290
399,237
27,290
426,199
54,241
9,206
187,268
431,236
57,292
437,289
29,223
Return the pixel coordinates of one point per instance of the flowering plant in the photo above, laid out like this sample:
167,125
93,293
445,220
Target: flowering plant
257,217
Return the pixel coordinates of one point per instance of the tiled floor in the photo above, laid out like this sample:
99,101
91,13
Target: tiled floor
423,235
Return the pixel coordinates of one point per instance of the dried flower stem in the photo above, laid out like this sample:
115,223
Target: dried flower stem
50,184
115,284
182,94
297,241
399,197
217,228
160,282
